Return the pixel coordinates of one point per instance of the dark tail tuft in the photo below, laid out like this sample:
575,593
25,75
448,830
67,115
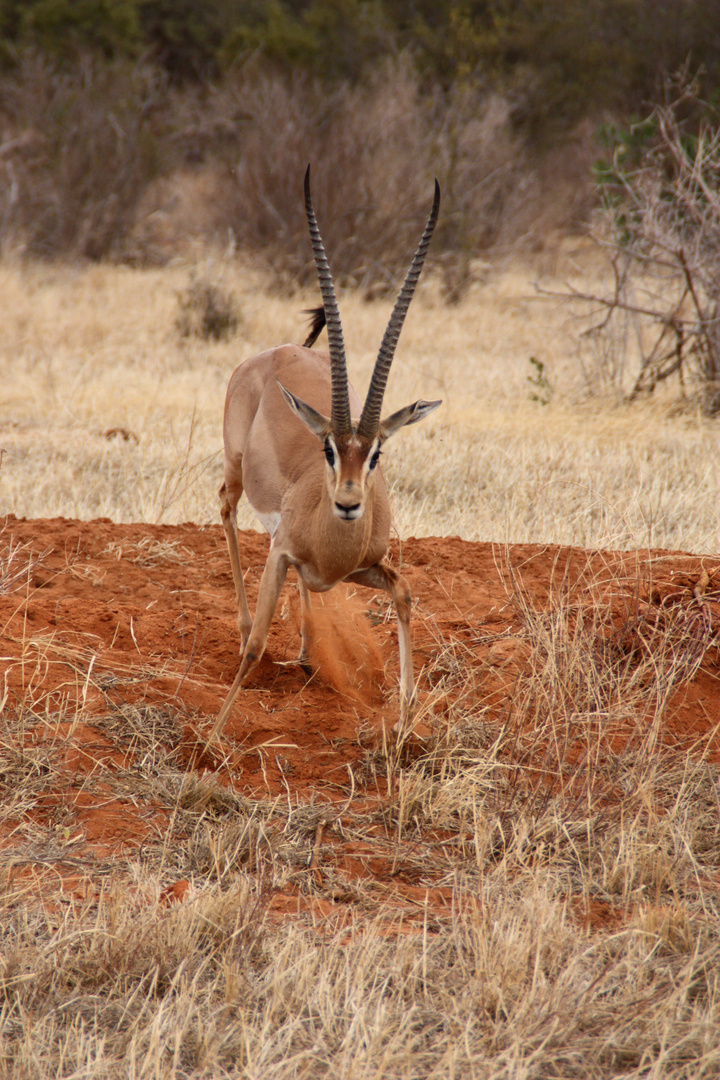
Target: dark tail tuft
317,324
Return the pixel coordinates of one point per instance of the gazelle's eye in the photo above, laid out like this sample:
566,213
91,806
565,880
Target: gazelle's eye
329,455
374,459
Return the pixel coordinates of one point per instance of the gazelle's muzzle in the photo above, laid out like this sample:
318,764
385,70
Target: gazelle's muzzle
348,501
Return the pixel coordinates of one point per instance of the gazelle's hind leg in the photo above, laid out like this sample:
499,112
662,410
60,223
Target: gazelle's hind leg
382,576
228,513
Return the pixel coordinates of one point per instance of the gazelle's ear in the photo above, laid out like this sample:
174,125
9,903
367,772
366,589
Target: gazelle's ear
311,418
409,415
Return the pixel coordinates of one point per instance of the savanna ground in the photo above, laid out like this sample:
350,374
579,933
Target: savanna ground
527,885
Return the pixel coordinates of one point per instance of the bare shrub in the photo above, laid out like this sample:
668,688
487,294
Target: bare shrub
106,159
374,150
77,149
661,218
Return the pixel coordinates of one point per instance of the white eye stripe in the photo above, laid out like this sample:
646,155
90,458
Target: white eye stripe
332,455
331,452
374,456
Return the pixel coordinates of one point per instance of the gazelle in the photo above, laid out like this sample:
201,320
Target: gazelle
313,479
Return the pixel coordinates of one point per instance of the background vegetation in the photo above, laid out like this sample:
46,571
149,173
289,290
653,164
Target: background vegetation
100,101
558,61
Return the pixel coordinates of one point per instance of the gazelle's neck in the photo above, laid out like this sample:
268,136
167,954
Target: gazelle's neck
328,547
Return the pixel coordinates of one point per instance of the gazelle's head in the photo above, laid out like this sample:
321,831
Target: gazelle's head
352,450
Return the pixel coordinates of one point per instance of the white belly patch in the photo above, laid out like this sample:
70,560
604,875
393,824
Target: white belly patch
269,521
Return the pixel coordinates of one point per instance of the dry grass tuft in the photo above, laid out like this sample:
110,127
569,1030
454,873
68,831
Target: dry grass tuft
208,312
150,552
17,563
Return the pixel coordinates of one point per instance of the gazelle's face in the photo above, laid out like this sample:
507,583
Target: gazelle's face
350,469
351,460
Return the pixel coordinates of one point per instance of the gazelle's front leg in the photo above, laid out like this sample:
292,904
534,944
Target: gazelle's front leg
382,576
228,513
305,619
271,583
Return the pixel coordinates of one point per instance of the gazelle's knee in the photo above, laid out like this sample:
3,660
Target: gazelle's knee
229,498
254,649
226,511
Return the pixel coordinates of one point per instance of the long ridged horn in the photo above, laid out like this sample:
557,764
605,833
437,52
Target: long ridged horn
340,411
370,419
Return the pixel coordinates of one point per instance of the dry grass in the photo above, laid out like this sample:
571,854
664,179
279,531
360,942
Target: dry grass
503,980
208,989
109,411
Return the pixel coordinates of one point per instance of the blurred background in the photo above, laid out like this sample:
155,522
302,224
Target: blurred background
130,129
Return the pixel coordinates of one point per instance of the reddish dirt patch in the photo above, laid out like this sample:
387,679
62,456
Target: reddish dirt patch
109,615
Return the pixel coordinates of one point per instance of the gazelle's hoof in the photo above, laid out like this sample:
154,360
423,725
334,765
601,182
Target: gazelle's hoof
303,661
410,726
408,707
406,729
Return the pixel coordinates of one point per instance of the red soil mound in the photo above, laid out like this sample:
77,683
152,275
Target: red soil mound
95,617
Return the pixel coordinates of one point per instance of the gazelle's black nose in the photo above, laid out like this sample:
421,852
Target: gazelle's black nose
348,513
